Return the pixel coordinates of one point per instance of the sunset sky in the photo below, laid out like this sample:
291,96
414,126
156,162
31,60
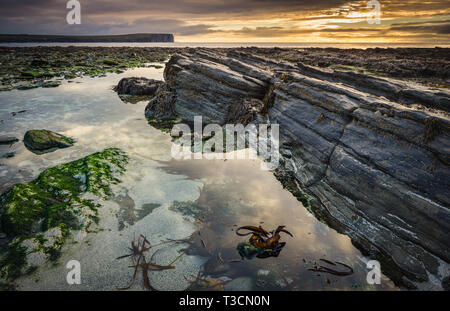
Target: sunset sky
327,21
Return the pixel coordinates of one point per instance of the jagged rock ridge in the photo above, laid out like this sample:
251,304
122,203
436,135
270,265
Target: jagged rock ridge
372,153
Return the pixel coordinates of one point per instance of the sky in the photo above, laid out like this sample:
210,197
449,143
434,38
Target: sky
315,21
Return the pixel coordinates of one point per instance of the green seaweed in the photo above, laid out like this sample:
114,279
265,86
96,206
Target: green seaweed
14,261
355,69
54,200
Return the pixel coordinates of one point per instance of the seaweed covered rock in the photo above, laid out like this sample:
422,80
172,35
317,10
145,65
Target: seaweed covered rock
45,140
137,86
37,216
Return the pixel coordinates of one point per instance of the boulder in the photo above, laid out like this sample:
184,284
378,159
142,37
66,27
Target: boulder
44,140
137,86
367,155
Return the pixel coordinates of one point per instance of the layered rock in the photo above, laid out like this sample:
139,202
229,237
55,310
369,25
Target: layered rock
369,155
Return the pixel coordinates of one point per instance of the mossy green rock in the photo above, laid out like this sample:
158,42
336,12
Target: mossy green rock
42,140
49,199
55,200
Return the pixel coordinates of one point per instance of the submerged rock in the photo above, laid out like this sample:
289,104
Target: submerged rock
368,155
8,155
243,284
8,140
249,251
49,84
137,86
40,214
43,140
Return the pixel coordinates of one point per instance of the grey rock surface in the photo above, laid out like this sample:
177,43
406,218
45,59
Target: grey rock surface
368,155
137,86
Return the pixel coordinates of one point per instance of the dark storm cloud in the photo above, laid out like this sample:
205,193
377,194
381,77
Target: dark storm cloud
100,7
109,17
436,29
112,16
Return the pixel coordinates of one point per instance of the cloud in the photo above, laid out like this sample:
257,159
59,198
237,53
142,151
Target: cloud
434,29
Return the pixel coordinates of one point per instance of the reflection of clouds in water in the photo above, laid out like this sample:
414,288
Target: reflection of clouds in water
256,196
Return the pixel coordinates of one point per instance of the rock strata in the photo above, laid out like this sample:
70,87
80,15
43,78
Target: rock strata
368,155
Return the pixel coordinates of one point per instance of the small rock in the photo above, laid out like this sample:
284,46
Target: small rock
42,140
8,140
8,155
48,84
137,86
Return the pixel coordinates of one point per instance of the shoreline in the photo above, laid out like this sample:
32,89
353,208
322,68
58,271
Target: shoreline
29,67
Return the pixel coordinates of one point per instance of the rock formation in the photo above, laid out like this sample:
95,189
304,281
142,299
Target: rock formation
368,155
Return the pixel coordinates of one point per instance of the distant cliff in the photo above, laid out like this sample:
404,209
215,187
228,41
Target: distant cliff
141,37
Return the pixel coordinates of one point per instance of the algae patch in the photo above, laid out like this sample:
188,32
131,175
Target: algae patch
37,216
